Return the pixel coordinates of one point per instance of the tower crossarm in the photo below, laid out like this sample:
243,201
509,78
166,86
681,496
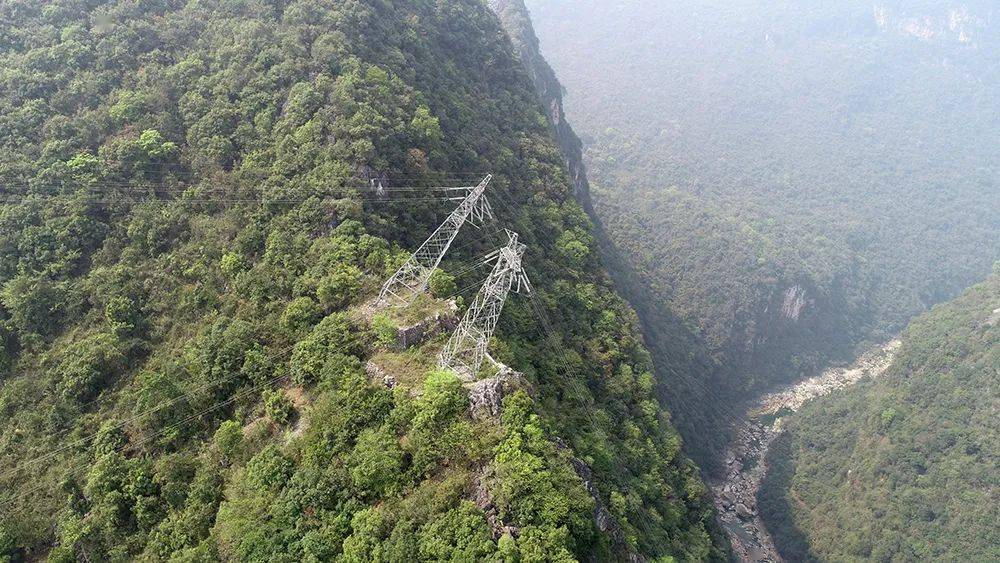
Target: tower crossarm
467,348
413,276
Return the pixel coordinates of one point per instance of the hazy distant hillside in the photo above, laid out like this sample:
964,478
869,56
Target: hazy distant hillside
785,180
905,467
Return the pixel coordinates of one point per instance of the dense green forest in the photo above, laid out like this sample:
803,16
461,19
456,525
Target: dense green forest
186,239
784,182
905,467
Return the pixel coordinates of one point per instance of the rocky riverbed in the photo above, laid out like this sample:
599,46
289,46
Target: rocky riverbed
736,494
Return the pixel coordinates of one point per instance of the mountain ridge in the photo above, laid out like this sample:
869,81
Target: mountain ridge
196,230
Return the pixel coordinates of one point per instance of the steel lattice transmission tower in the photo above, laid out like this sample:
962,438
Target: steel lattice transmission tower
413,276
466,349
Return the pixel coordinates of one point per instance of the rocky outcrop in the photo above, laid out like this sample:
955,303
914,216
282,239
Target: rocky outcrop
486,395
793,302
603,519
418,333
482,497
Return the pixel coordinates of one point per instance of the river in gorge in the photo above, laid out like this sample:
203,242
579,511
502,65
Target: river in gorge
745,461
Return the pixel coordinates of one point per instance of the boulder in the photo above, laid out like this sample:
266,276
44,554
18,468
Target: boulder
486,395
376,374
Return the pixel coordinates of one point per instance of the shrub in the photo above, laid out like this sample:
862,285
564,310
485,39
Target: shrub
442,284
278,406
231,264
268,470
258,366
385,330
229,438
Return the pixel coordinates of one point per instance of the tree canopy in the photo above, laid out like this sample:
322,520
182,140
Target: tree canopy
187,237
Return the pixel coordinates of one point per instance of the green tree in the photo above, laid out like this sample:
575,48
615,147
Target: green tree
123,316
377,463
461,534
442,284
35,304
333,335
86,366
229,439
336,290
300,315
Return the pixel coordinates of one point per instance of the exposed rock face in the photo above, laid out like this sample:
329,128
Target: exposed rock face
602,518
484,500
793,302
743,512
407,337
486,395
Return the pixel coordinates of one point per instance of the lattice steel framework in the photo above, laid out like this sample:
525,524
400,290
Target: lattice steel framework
413,276
467,348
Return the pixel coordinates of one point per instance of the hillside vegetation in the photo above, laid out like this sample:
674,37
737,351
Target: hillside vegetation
784,182
187,239
902,468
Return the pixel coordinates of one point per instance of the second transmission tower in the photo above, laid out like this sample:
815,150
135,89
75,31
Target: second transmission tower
467,348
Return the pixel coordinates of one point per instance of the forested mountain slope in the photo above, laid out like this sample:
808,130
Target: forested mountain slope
784,182
905,467
677,356
187,237
516,22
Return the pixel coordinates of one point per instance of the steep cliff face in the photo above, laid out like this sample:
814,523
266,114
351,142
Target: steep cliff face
517,23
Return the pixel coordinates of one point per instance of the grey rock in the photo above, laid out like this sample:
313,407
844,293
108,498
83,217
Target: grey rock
486,395
482,497
376,373
407,337
743,512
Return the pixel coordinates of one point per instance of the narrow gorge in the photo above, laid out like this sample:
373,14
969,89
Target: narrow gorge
746,459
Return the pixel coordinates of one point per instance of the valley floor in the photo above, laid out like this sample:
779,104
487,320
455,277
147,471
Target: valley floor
736,494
